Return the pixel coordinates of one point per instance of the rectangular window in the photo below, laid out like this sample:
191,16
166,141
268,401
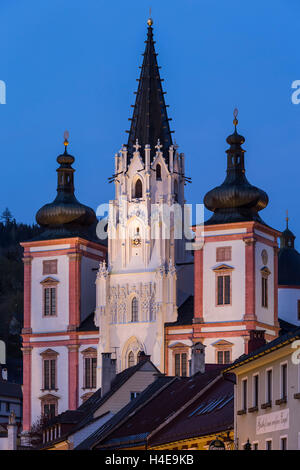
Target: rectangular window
244,394
224,288
181,364
49,374
177,364
255,446
184,365
255,390
269,386
50,267
223,253
283,380
49,301
269,445
223,357
90,367
264,281
49,410
283,443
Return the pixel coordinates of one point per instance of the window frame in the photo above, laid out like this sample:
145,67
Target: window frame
89,354
244,394
49,355
298,309
49,283
49,400
134,310
269,392
269,440
255,390
50,262
265,273
282,365
225,250
281,438
227,273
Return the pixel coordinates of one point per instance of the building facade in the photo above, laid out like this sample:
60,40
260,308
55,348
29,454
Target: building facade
59,337
145,291
267,394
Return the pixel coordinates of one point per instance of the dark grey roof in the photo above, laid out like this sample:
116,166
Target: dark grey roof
106,428
288,267
9,389
185,313
85,412
285,326
278,342
88,324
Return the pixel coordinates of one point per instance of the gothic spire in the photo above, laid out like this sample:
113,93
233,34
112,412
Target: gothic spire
150,121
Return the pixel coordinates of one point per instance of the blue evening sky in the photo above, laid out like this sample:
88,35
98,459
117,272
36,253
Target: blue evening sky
73,64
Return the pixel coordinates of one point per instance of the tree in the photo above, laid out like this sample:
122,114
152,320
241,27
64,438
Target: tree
6,216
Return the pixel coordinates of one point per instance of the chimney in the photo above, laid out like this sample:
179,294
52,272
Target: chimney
143,357
108,372
197,361
12,430
257,339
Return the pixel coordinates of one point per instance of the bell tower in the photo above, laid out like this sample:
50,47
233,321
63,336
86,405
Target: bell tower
137,291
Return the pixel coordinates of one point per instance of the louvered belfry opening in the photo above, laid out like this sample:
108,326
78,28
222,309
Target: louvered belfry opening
150,121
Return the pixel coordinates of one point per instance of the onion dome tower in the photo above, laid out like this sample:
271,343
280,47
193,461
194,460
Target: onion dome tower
236,200
65,216
150,122
288,259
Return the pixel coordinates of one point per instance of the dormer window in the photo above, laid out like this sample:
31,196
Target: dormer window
158,172
138,191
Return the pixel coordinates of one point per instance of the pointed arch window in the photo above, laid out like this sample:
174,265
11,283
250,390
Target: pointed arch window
158,172
130,360
176,191
138,190
134,310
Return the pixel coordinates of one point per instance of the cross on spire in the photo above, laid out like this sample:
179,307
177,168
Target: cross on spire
150,120
136,145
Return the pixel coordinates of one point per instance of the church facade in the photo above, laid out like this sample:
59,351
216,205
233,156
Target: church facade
143,290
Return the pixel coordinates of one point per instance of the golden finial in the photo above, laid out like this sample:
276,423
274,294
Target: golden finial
235,113
150,20
66,137
287,219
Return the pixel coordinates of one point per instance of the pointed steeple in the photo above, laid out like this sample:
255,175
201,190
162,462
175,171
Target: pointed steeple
150,121
287,239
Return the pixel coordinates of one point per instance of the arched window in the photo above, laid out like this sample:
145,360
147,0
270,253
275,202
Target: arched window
130,359
158,172
176,191
138,192
134,310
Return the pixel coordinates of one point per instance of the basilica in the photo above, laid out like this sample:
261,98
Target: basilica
140,286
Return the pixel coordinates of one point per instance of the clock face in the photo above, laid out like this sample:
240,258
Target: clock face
136,241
